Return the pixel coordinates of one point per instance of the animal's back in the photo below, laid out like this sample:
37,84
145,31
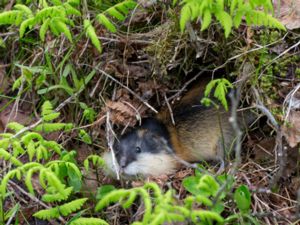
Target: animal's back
201,133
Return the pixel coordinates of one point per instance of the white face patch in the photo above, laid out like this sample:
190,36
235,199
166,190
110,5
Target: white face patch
148,164
110,169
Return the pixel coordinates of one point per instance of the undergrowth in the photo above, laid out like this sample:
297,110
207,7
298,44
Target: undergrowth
53,59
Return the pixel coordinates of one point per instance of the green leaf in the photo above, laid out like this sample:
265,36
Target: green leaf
85,137
115,13
225,20
26,23
72,206
74,179
24,9
88,221
91,33
242,197
11,17
44,28
47,214
185,16
105,21
206,19
104,190
17,83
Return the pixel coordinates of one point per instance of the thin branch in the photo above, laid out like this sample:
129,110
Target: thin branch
128,89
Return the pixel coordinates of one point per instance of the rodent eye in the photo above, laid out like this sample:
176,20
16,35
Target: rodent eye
138,150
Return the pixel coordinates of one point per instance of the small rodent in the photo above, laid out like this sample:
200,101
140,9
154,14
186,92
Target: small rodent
200,133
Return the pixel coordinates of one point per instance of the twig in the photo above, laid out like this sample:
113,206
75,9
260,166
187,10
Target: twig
185,85
247,52
280,55
290,102
170,109
110,142
279,149
128,89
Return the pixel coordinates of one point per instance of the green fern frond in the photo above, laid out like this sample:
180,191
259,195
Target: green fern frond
112,197
185,16
222,85
7,156
10,175
88,221
61,27
4,143
50,12
26,23
24,9
57,197
102,19
53,145
42,153
115,13
50,127
130,199
15,126
11,17
85,137
31,151
193,10
206,20
225,20
96,160
56,183
91,33
44,28
47,108
17,148
17,83
56,2
70,10
118,11
74,2
72,206
31,136
205,215
28,181
47,214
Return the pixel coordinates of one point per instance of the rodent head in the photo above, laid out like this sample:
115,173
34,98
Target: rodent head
145,150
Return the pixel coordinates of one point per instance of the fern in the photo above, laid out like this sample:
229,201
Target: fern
47,214
64,209
57,197
85,137
7,156
91,33
15,126
118,11
88,221
54,18
193,10
47,112
161,208
221,89
72,206
95,159
102,19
